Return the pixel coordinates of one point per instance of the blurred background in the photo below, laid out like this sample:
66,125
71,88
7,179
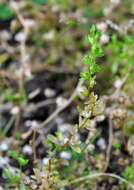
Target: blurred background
42,44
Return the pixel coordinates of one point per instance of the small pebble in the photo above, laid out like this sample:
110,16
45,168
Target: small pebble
3,147
49,93
3,161
65,155
102,26
45,161
104,39
15,110
60,101
102,144
20,37
118,83
27,150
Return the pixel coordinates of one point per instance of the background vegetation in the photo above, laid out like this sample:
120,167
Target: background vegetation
66,95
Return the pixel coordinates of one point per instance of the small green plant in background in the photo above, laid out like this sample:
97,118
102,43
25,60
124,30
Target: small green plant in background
39,2
122,56
129,172
15,178
12,179
19,158
5,12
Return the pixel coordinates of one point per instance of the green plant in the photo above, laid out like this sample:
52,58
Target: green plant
128,173
12,179
91,108
19,158
5,12
15,178
39,2
121,59
90,58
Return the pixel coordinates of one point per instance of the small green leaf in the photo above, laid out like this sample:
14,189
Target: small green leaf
11,178
22,162
5,12
13,154
90,39
39,2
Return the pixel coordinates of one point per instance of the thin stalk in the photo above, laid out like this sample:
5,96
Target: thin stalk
96,175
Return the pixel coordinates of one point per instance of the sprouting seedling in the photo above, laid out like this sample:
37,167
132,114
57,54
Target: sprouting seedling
90,57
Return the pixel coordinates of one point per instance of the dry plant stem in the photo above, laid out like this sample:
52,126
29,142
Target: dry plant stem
9,124
17,122
23,52
25,28
61,108
33,145
109,144
96,175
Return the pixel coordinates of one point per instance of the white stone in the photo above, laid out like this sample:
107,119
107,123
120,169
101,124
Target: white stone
27,149
45,161
104,39
102,26
15,110
34,124
49,93
102,144
60,101
3,147
20,37
118,83
3,162
65,155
